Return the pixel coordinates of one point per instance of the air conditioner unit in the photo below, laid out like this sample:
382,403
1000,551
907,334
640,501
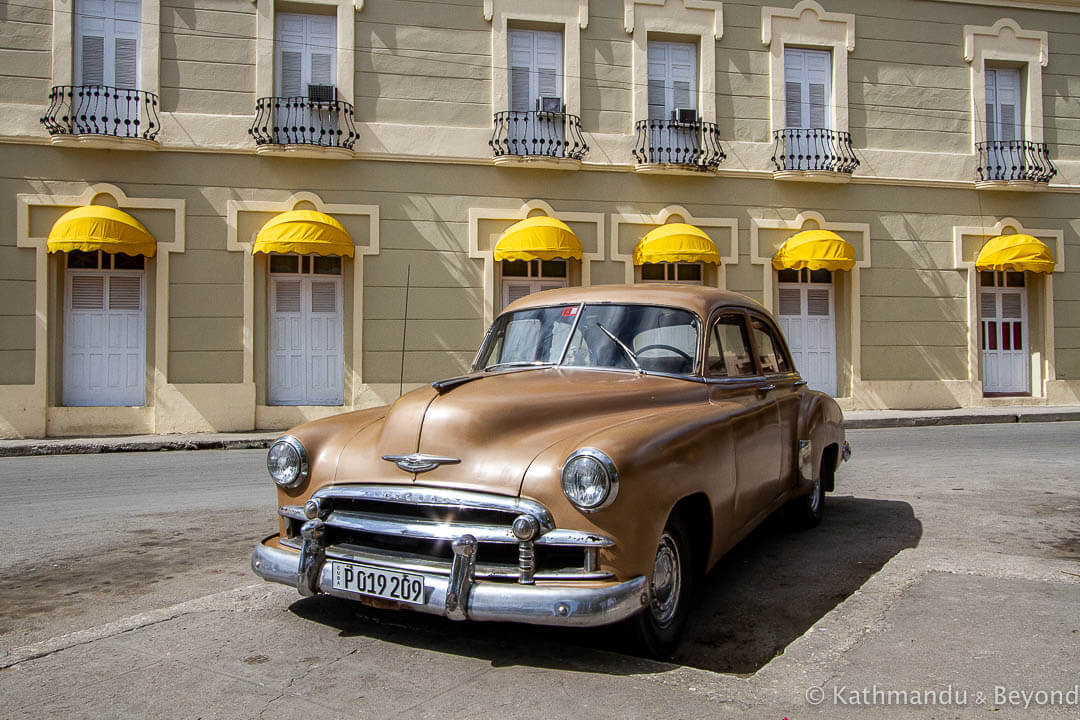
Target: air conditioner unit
547,103
685,115
322,93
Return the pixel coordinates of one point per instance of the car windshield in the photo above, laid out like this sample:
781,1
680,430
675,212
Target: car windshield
630,337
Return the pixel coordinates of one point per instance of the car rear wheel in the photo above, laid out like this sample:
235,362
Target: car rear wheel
657,627
806,511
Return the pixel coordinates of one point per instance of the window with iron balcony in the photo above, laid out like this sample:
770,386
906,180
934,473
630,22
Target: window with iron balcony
304,117
103,106
536,129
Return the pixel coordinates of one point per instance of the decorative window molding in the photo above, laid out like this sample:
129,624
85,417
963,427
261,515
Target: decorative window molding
346,40
622,249
1004,42
63,44
74,420
699,19
572,15
967,242
483,247
762,251
356,394
808,25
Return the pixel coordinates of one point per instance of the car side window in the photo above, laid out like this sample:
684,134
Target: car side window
770,350
729,348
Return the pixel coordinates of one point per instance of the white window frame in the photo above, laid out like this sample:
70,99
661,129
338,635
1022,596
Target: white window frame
799,68
571,15
525,42
803,286
661,54
1006,44
345,60
671,273
535,279
109,27
808,25
305,42
698,21
64,34
997,290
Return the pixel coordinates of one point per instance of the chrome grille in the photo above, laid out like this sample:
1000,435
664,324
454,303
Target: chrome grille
413,527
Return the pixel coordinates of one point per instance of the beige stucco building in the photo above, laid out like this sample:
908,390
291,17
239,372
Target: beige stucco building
915,131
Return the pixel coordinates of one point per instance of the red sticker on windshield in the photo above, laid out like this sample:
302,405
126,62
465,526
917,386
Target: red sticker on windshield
567,312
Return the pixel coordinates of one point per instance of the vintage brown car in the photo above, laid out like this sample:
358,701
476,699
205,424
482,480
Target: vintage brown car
610,444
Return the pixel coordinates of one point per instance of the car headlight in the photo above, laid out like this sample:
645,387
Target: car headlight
287,462
589,479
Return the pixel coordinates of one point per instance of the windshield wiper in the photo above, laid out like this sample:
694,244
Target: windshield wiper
518,363
629,353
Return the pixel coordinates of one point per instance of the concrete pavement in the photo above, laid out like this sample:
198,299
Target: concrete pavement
853,420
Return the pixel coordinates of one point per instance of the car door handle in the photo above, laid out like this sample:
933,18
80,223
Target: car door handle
766,388
798,383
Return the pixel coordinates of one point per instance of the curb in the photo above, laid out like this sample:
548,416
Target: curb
111,445
894,421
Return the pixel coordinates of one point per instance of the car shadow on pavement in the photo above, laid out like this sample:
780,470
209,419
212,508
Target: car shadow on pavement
766,592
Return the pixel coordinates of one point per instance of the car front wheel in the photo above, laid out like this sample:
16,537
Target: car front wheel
657,627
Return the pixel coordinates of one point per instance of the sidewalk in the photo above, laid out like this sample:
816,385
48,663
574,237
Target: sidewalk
853,420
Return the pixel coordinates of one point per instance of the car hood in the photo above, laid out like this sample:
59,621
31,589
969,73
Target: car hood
494,426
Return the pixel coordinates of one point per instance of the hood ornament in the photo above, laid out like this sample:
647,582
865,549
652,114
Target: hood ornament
420,462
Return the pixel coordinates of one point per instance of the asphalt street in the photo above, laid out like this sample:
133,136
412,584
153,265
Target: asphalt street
949,559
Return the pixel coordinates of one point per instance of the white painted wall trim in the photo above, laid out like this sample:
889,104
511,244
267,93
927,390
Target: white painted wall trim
702,20
1043,361
1004,41
346,41
512,215
808,25
654,220
573,15
763,256
234,243
160,371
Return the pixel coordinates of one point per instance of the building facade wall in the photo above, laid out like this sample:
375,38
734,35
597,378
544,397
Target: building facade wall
421,197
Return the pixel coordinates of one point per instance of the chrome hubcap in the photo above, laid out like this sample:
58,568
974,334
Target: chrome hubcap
666,580
815,496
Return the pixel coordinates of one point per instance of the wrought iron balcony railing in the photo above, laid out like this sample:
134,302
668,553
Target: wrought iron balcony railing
538,134
693,145
1008,160
102,110
813,149
302,121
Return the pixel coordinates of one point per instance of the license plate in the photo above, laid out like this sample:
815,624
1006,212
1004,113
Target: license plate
378,582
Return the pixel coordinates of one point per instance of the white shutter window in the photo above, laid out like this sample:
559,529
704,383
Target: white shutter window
535,67
988,305
790,301
287,298
324,297
1011,306
672,67
93,61
125,292
87,292
991,103
107,42
1007,104
306,52
817,302
807,76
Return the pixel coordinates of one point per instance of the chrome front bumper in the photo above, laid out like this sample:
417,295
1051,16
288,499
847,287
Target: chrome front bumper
460,596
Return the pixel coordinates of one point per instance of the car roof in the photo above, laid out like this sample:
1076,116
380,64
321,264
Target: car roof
697,298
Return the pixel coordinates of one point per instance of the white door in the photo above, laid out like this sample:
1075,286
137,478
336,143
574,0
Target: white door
807,319
305,70
806,92
520,287
1003,123
535,83
1003,321
307,362
104,338
672,87
106,55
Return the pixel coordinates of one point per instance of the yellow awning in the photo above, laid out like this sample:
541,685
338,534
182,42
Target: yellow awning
98,227
676,242
815,250
304,232
1015,252
538,238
